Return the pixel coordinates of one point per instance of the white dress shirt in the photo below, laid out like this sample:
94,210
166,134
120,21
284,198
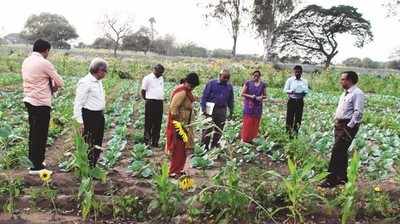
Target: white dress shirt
153,86
296,88
89,95
351,106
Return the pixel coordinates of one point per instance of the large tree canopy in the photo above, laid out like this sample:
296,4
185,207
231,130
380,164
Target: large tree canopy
138,41
52,27
312,32
267,15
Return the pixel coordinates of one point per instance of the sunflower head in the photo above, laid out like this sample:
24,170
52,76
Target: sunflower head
377,189
186,183
45,175
180,130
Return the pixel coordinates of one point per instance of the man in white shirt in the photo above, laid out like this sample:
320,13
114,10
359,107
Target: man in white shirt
153,93
89,105
348,117
296,88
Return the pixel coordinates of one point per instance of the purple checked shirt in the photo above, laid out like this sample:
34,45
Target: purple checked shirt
219,93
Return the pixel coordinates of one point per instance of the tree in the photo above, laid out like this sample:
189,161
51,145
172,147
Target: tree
102,43
15,38
164,45
394,64
139,41
312,32
52,27
152,21
369,63
116,29
353,62
267,15
229,13
192,50
220,53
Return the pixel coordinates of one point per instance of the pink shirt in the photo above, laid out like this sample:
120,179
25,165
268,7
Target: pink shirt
36,74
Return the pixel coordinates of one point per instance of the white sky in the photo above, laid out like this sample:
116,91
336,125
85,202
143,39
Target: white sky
183,19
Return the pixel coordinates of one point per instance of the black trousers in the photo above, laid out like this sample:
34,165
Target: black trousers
152,123
93,132
294,115
39,118
219,118
339,158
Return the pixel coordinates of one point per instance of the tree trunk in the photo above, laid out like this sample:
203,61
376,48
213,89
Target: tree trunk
115,51
328,61
267,48
234,46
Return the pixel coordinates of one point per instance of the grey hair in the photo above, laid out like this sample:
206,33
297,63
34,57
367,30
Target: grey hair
96,64
224,71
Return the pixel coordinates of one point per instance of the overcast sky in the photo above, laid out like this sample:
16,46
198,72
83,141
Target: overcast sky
183,19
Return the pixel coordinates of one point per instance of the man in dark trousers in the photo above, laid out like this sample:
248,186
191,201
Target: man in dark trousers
219,94
153,94
40,80
348,118
89,104
296,88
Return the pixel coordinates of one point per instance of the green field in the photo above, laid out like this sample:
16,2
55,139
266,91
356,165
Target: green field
274,181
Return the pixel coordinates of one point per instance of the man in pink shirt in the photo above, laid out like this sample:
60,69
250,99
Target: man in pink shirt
40,81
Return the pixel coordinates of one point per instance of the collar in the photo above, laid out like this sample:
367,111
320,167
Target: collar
154,76
294,78
37,54
92,78
219,82
351,89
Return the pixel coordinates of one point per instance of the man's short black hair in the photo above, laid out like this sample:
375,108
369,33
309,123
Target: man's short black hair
159,67
41,45
298,67
352,76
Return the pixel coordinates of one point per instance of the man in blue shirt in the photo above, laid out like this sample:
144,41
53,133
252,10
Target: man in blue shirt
296,88
219,93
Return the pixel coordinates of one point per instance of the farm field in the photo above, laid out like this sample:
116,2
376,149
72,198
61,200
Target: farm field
273,181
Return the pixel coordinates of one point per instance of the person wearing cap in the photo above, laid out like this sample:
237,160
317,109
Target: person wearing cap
181,110
296,88
39,80
219,94
348,118
89,105
153,93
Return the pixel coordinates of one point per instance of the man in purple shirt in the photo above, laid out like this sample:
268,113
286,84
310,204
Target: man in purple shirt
219,92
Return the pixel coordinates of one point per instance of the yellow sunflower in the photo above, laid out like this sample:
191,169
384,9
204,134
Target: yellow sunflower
45,175
181,131
186,183
377,189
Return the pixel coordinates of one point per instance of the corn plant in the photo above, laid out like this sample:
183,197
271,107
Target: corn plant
167,196
298,186
11,189
348,196
87,174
